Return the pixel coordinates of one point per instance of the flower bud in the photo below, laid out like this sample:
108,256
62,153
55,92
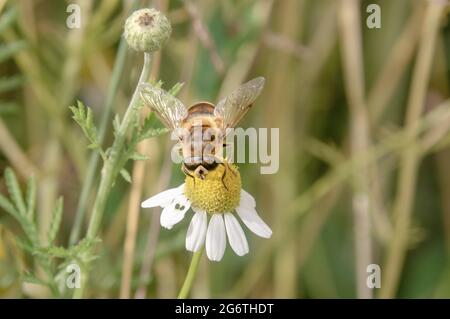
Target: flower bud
146,30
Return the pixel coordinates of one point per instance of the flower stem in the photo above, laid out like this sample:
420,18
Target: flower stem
111,94
184,292
352,60
93,161
113,164
410,158
110,168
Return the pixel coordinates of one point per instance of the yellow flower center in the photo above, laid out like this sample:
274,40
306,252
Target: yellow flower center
219,192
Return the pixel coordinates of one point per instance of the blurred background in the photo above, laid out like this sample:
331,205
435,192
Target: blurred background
364,119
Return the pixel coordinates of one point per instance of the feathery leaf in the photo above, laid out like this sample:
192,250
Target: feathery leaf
14,191
8,18
7,51
56,220
10,83
31,197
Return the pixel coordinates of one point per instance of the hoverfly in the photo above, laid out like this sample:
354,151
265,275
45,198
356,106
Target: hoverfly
204,125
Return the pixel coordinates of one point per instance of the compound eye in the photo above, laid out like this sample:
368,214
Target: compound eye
191,163
191,167
209,159
210,166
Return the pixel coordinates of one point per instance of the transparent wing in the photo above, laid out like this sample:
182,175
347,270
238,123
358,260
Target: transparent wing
167,108
233,107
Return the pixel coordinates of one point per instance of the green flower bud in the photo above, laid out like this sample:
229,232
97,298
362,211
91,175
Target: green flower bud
146,30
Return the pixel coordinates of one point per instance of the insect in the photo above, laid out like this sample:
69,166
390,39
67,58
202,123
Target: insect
203,126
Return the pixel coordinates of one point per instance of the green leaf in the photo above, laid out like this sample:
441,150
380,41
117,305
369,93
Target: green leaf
14,191
18,210
31,197
151,122
151,127
10,83
8,206
55,251
29,229
28,277
25,245
158,84
68,253
176,88
8,107
6,51
85,244
84,117
93,146
152,133
56,220
7,18
116,124
126,176
138,157
134,131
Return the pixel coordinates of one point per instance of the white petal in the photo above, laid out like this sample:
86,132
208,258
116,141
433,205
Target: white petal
252,220
195,236
164,198
247,200
174,212
215,238
236,235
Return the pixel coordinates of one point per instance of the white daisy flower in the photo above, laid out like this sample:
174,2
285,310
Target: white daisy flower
175,204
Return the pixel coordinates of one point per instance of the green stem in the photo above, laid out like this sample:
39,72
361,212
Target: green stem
110,168
411,157
352,60
111,94
184,292
94,159
112,165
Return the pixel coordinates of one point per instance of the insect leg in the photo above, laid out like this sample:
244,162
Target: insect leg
179,148
187,173
228,166
223,175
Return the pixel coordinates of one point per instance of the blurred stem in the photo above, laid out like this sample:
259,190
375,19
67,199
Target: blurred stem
410,158
350,28
110,168
94,159
318,192
202,32
184,292
112,164
389,146
113,88
133,220
153,231
33,70
394,68
138,174
283,190
75,44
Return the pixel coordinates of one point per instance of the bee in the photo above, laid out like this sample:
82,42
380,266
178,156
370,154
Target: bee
203,125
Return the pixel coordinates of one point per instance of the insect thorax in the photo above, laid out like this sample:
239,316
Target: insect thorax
202,139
